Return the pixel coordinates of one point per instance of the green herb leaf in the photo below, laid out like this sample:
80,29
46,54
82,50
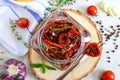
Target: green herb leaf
49,67
36,65
43,68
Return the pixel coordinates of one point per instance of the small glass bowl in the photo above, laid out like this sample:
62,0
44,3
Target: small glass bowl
36,40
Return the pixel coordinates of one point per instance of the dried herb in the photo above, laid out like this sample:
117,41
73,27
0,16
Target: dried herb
63,51
45,46
65,27
17,35
43,67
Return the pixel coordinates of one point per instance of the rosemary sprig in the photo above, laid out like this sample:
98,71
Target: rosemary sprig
19,37
57,4
43,67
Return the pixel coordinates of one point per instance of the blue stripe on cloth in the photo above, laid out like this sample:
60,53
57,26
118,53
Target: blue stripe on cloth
16,15
12,10
35,15
29,31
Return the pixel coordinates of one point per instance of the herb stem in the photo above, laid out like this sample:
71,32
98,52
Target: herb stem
19,37
60,29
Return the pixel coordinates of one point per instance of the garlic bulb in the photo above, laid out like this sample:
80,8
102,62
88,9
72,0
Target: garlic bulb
13,70
109,9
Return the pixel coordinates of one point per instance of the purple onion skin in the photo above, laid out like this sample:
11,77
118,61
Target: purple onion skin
21,66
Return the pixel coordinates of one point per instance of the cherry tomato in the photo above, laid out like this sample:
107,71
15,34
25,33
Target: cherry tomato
108,75
93,50
92,10
23,22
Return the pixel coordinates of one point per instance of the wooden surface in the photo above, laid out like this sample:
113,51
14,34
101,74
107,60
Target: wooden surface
84,67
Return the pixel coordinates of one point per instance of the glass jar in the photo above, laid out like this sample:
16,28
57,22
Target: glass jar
57,51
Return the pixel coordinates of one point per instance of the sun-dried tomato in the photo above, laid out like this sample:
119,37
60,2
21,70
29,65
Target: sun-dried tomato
53,44
69,54
64,40
93,50
63,35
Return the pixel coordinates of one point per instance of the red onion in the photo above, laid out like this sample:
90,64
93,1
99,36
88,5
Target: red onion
15,70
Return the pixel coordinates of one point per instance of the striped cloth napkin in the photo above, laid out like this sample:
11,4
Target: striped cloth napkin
11,9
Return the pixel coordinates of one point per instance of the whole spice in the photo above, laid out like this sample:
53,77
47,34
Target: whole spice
110,33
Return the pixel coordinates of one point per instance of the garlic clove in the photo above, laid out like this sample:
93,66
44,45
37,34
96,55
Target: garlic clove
116,11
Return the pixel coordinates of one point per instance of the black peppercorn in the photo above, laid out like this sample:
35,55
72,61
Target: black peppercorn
113,50
108,61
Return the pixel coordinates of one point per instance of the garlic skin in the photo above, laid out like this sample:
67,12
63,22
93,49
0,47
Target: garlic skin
109,9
